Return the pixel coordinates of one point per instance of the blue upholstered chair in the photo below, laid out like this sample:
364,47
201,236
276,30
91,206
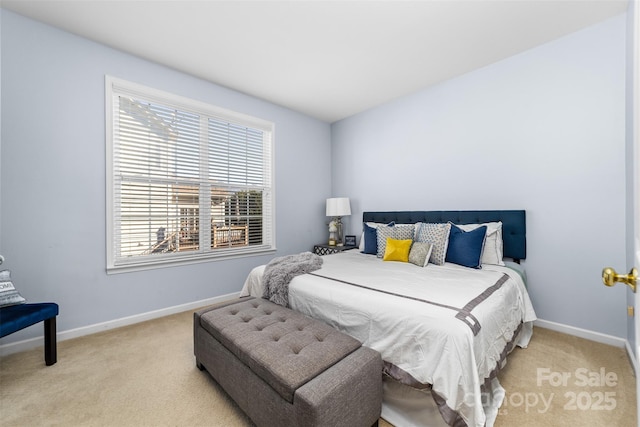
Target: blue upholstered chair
16,317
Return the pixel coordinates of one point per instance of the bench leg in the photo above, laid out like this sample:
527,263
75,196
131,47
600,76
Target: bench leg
50,342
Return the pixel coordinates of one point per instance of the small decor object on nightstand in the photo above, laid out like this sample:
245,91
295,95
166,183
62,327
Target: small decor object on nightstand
349,240
333,230
338,207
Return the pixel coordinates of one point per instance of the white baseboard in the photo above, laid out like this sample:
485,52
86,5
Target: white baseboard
582,333
633,360
31,343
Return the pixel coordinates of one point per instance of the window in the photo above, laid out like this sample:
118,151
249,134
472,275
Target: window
186,181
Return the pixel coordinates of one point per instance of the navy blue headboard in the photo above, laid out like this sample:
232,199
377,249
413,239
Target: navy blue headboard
514,229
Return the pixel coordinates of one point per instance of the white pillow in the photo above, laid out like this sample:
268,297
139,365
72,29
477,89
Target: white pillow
492,251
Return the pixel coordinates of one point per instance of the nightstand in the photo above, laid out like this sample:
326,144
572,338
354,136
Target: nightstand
324,249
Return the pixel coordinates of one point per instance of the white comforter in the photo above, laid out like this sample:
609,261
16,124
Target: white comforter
420,333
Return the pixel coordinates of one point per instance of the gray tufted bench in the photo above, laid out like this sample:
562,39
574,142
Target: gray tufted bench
286,369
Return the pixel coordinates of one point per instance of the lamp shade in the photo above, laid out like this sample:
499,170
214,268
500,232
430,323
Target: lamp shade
338,206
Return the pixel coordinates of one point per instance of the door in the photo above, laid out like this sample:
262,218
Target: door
633,190
633,186
633,113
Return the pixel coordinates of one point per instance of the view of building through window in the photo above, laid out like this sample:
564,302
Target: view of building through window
186,181
236,220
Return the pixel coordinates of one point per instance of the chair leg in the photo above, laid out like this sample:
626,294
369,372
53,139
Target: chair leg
50,341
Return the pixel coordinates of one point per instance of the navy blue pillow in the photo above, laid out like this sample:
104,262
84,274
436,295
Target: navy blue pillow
465,247
371,239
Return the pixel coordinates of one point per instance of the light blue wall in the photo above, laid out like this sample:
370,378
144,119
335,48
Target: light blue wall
52,189
542,131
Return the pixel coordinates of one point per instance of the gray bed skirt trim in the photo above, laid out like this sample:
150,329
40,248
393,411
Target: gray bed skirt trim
450,416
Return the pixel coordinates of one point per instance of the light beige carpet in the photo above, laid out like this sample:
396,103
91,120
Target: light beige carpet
145,375
562,380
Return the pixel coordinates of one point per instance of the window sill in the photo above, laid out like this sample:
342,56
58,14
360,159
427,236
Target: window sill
187,260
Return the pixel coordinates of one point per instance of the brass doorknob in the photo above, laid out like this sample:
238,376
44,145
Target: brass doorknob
610,277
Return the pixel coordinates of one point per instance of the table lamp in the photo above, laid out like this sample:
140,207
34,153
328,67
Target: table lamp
337,207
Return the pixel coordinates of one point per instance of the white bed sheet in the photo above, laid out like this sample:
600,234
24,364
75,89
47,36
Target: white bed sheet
425,340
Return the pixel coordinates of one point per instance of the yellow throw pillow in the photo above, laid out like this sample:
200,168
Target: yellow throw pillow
397,250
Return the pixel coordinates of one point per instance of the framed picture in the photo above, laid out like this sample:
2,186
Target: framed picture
349,240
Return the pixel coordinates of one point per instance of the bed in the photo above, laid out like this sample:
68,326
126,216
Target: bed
444,330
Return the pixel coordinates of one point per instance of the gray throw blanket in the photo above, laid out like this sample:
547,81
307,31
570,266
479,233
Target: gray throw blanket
280,271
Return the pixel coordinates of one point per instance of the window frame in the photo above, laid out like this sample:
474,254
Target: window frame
115,87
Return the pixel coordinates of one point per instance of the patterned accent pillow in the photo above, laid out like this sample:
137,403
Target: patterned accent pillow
420,253
8,293
438,236
398,232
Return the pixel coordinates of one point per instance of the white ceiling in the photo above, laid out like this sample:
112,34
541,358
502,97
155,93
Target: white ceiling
327,59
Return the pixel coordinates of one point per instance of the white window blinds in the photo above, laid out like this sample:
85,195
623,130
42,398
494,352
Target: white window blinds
188,181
